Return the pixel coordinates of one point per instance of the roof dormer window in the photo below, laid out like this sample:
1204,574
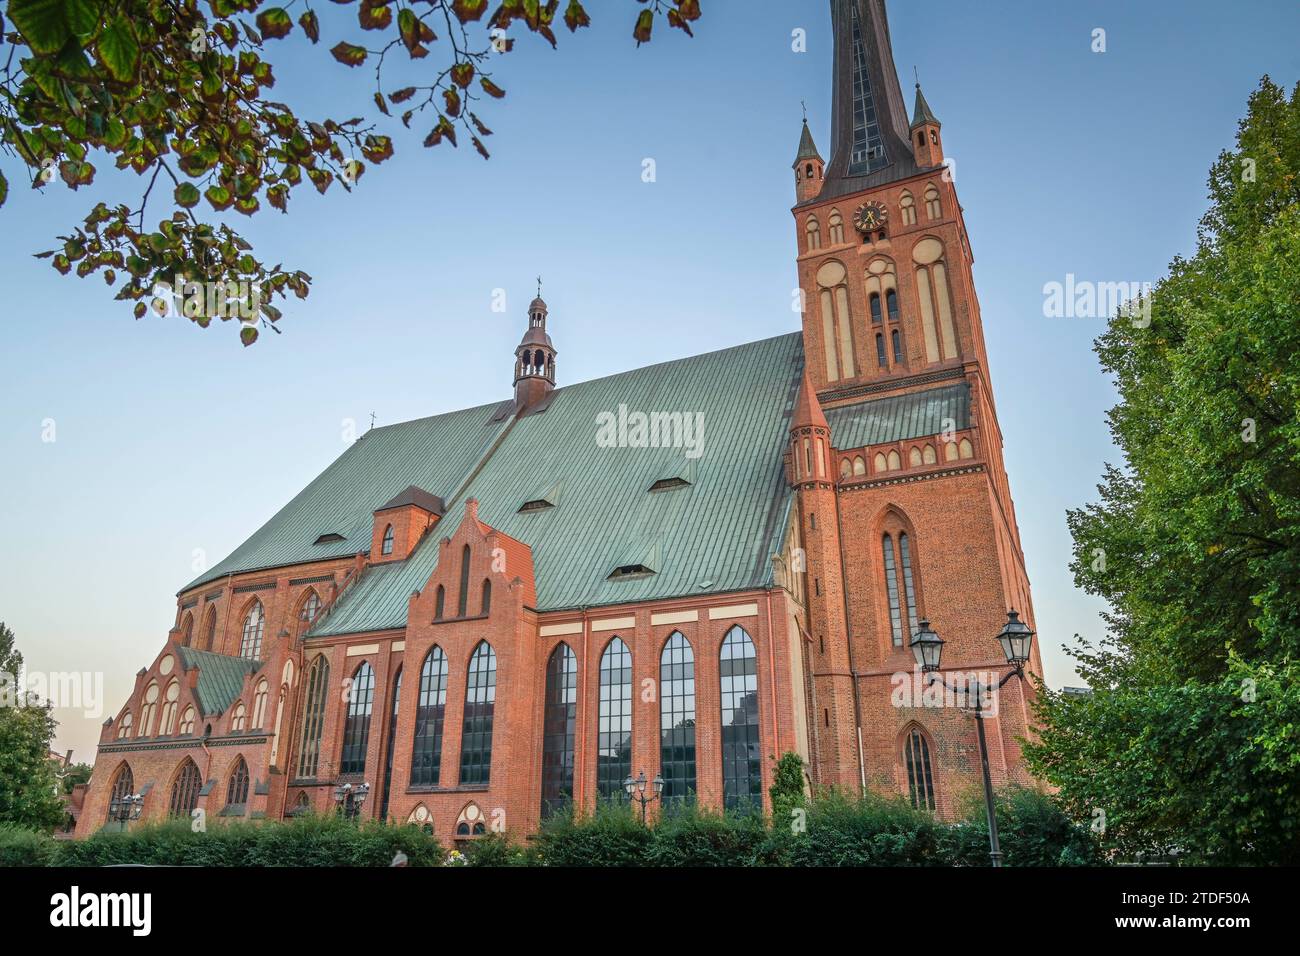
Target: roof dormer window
630,571
328,538
387,546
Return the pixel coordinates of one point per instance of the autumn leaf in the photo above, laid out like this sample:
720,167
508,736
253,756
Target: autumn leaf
349,54
275,23
310,25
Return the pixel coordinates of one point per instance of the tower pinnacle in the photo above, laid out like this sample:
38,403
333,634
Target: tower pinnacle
535,357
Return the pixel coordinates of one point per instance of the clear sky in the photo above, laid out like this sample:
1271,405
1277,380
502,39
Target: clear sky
170,438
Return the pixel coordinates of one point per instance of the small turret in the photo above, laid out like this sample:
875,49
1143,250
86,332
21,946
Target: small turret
534,358
809,168
927,143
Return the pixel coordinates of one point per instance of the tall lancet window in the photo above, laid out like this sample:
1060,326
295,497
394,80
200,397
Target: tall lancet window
868,145
837,332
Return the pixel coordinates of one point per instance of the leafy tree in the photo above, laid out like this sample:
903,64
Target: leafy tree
1189,741
181,88
11,661
77,773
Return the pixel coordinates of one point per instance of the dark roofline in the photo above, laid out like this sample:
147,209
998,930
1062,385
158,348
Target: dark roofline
412,495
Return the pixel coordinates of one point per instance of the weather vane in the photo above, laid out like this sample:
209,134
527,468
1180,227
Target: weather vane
539,287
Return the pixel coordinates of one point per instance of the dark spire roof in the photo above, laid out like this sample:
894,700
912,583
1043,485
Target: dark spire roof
878,149
807,148
922,113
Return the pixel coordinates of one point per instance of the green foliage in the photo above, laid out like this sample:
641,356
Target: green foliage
77,773
787,790
1033,830
689,836
305,841
495,849
868,831
1189,739
611,836
182,87
29,786
20,846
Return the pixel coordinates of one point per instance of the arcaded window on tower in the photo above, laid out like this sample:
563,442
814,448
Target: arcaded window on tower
185,790
677,720
908,206
614,729
937,322
836,226
480,708
254,624
933,208
920,777
430,710
813,234
313,716
837,331
356,727
559,727
742,783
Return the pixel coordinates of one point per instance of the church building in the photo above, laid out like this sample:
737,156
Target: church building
685,571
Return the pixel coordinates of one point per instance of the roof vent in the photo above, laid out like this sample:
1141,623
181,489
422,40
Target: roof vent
328,538
667,484
630,571
545,500
539,504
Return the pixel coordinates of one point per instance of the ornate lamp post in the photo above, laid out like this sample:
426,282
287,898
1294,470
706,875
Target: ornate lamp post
126,808
350,799
1016,638
636,790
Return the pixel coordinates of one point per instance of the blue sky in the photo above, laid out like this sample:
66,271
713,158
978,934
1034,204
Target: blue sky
171,439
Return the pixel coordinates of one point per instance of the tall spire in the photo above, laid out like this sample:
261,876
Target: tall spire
870,141
807,148
921,113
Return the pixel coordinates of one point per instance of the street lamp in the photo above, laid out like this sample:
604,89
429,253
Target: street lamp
125,808
1016,639
636,790
350,799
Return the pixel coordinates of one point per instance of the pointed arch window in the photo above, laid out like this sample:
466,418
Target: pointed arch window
439,603
123,787
356,727
480,708
310,608
559,723
185,790
259,705
920,778
859,466
254,624
239,718
677,719
909,590
463,606
741,761
237,787
486,604
170,705
209,628
937,322
124,728
891,591
386,546
187,722
881,358
877,316
388,744
313,716
897,339
430,710
614,728
187,630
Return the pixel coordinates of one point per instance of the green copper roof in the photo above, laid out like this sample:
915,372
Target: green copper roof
807,148
921,113
714,535
431,453
221,678
900,417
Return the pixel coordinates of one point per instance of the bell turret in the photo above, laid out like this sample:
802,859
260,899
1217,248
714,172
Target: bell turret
534,358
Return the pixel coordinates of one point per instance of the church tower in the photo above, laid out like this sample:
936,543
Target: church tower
534,359
914,519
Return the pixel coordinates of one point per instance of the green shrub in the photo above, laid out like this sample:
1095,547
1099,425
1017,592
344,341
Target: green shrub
867,831
22,847
1033,830
689,836
305,841
612,836
787,790
496,849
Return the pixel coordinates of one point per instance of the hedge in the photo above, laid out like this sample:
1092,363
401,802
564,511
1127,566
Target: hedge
832,830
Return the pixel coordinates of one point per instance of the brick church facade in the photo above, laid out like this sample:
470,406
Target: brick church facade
685,570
